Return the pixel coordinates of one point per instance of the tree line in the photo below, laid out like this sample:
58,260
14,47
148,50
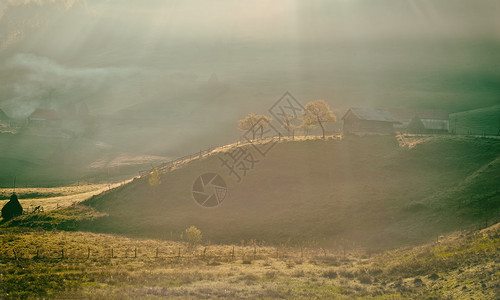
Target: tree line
315,113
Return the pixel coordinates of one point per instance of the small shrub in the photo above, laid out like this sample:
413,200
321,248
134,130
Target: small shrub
271,274
299,274
213,263
249,277
330,261
417,281
192,236
364,279
154,178
346,274
375,271
330,274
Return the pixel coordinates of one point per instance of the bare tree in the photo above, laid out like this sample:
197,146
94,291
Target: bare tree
318,112
288,120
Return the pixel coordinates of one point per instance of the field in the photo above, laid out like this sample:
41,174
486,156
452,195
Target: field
358,218
56,197
461,265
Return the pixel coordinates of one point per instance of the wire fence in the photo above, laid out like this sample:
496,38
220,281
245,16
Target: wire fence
33,209
169,165
174,163
248,253
341,250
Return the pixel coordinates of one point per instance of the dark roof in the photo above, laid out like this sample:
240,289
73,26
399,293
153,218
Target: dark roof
45,114
370,114
3,116
408,114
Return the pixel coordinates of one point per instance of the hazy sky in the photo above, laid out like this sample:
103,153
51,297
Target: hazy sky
152,59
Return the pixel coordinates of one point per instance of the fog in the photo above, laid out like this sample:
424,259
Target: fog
143,67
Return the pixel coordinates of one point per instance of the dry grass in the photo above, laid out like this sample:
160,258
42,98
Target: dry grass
57,197
217,274
269,273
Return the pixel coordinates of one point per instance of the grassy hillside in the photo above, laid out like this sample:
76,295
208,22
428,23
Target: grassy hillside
367,191
463,265
477,121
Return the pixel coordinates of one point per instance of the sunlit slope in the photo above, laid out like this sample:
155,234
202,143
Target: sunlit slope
366,190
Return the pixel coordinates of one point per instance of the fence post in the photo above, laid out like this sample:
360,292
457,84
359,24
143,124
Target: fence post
135,253
112,255
179,251
62,253
88,252
15,254
156,252
204,251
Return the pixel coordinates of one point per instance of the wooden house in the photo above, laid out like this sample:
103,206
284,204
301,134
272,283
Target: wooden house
421,121
44,118
366,121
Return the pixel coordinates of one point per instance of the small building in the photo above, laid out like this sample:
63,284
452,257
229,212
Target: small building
44,118
366,121
421,121
4,119
12,209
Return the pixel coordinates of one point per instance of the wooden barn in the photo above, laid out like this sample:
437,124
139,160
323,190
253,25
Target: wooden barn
366,121
44,118
4,119
421,121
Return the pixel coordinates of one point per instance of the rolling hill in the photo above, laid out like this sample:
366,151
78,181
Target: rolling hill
368,191
479,121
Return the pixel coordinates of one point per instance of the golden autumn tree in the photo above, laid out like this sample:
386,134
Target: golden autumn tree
318,112
254,123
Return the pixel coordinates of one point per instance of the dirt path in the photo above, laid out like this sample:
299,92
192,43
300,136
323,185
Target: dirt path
69,197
